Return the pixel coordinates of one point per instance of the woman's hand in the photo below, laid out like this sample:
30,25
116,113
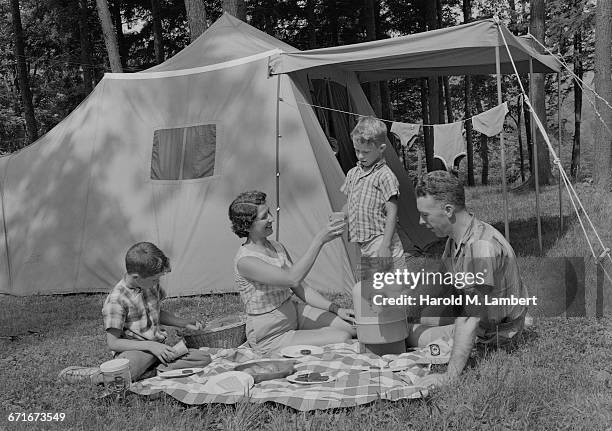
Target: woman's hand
346,314
332,230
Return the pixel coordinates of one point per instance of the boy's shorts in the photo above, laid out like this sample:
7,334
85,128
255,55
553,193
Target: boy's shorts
370,249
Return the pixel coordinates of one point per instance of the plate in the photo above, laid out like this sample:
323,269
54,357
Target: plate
300,351
299,378
181,372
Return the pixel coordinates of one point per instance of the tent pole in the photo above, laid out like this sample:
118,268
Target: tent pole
278,136
535,155
6,246
559,155
501,146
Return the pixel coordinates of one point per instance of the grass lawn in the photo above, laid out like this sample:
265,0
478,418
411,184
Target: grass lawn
558,377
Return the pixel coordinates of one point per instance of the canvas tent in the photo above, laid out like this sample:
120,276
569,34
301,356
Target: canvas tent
159,155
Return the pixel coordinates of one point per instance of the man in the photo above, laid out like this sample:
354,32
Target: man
485,273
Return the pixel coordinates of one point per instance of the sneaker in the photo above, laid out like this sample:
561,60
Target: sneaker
75,374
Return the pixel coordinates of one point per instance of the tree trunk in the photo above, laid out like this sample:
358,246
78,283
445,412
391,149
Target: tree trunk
527,117
467,91
385,99
22,73
467,94
602,172
578,71
332,12
484,151
13,93
88,78
519,110
110,39
158,41
447,95
484,156
441,99
369,17
536,27
236,8
115,10
196,17
311,23
427,131
431,23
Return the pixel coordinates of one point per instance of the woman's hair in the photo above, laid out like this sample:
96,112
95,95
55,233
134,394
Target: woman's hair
243,211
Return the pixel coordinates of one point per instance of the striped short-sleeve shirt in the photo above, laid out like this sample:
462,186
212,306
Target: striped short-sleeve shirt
367,193
259,298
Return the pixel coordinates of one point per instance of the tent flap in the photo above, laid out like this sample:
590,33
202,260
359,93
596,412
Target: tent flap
460,50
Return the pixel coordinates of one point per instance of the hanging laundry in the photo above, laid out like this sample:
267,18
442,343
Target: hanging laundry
405,132
449,143
491,122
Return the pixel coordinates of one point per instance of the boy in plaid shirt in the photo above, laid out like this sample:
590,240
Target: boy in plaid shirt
132,313
372,190
132,319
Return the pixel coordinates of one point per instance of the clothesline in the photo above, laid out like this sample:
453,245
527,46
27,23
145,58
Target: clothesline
382,119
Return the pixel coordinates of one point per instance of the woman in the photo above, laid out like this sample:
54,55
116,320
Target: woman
267,280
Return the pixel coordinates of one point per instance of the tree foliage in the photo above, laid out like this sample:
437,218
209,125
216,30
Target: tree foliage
56,65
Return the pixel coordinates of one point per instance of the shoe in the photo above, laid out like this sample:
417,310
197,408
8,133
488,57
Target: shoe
75,374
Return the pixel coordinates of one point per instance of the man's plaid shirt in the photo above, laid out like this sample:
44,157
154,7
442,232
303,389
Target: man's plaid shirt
367,193
134,311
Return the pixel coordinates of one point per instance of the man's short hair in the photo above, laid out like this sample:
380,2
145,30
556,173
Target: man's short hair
443,187
369,130
146,260
243,211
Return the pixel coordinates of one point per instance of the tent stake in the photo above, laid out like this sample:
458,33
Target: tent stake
501,146
278,136
535,155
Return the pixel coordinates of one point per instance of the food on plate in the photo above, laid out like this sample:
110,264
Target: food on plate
311,377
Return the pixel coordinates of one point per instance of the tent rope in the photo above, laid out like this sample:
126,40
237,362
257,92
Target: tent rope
581,84
578,79
570,188
381,119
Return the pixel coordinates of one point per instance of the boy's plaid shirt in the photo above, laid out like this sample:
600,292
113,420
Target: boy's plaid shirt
367,193
135,311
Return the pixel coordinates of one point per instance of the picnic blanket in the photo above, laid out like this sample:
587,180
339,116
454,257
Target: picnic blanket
361,378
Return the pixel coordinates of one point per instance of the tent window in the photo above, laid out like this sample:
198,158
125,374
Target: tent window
184,153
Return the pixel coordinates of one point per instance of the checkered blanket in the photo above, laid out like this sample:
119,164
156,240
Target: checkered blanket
360,379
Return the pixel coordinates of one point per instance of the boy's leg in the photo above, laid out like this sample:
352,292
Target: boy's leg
139,362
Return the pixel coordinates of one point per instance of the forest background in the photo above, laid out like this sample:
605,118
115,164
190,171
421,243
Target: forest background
56,51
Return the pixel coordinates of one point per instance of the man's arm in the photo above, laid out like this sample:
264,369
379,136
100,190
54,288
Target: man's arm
465,334
169,319
116,342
